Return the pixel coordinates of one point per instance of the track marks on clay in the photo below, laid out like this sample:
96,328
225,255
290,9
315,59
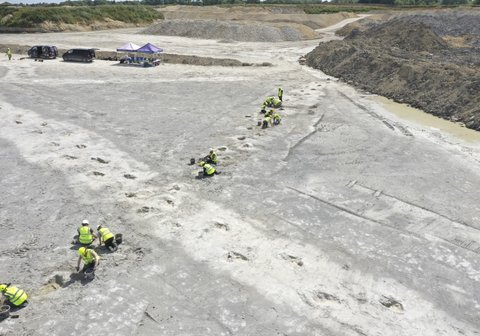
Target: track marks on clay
234,255
420,221
293,259
391,303
292,148
389,124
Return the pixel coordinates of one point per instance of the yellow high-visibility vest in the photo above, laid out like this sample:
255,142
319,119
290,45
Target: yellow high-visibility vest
15,295
106,234
85,236
208,169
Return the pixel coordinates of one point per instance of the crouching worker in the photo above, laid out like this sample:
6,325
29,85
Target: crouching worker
269,101
107,237
90,259
276,118
266,121
264,108
208,170
16,298
211,157
276,103
85,234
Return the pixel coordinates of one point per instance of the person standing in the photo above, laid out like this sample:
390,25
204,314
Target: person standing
280,93
9,53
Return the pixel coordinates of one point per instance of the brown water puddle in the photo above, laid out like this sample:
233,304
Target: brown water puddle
409,113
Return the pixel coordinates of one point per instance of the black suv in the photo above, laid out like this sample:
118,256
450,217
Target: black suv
43,51
79,55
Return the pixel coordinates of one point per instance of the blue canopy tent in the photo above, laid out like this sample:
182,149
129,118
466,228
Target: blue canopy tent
146,49
129,47
149,49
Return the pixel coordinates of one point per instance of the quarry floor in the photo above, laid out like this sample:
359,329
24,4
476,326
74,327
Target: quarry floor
343,220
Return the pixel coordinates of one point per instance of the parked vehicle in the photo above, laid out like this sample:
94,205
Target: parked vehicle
79,55
43,51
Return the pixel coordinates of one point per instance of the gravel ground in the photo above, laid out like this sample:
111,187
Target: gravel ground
345,220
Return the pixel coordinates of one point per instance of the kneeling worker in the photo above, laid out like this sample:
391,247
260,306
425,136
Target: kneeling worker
276,102
85,233
276,118
90,259
15,297
264,108
107,237
212,157
266,121
208,169
269,101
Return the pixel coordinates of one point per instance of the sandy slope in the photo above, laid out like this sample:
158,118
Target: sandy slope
344,220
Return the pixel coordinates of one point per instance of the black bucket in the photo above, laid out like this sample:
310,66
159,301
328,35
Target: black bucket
119,238
192,161
89,274
4,311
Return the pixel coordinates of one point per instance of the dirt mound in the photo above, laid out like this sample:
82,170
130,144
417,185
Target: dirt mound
450,23
276,14
236,31
411,36
409,62
363,24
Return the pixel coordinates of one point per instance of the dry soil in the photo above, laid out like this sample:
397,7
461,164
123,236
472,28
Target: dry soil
343,220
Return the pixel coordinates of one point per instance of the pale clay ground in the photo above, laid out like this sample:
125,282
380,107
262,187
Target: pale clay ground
343,220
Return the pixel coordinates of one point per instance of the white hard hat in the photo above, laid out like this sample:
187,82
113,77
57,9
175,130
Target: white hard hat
85,221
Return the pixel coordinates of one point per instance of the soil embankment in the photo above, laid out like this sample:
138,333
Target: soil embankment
272,24
236,31
429,60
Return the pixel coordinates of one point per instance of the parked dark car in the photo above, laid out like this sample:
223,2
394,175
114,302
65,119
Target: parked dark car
43,51
79,55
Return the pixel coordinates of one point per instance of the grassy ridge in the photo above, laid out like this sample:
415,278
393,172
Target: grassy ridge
29,17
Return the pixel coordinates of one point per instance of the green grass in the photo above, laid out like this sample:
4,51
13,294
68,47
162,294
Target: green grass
32,16
6,10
